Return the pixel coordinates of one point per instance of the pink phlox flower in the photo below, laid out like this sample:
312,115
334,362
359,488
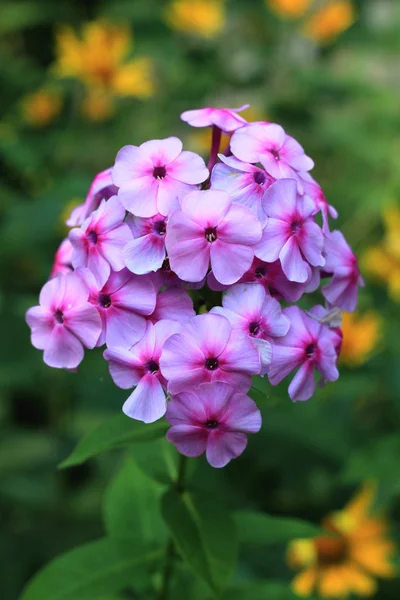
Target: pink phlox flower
153,177
101,188
291,233
213,418
341,262
173,304
225,119
99,242
123,303
63,259
208,349
64,322
139,366
146,252
320,312
245,183
268,144
314,191
309,345
210,228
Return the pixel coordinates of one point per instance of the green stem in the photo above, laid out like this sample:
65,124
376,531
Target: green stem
170,547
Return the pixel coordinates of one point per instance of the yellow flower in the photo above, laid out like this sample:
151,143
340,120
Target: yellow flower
205,18
292,9
360,336
328,22
97,105
40,108
382,262
98,59
355,550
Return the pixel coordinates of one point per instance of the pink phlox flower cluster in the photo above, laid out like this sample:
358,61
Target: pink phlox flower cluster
184,273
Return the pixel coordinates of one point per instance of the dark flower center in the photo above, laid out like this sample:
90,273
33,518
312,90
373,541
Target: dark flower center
294,226
159,227
210,234
92,237
254,327
260,272
58,316
166,266
211,424
259,177
310,350
159,172
275,154
212,364
152,367
105,300
331,550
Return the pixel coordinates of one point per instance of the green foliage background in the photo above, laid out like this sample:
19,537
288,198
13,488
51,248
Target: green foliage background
342,103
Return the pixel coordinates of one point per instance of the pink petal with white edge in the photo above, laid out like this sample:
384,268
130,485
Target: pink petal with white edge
207,208
245,299
234,319
223,446
189,168
163,330
240,226
137,294
144,254
162,152
187,408
243,414
294,154
124,327
109,215
112,244
84,322
327,360
52,293
41,322
170,191
293,264
230,262
311,243
174,304
139,196
240,355
147,402
265,353
64,350
98,265
215,399
284,361
182,363
130,163
302,385
189,440
274,237
190,259
211,332
280,199
125,369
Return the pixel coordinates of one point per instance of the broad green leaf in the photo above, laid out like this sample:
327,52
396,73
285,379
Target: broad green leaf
132,507
117,432
265,590
205,535
260,528
95,569
158,460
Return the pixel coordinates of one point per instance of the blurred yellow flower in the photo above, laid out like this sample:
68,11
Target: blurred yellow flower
291,9
205,18
355,550
99,59
40,108
382,262
360,336
97,105
329,21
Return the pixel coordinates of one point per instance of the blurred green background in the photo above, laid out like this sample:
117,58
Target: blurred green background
78,80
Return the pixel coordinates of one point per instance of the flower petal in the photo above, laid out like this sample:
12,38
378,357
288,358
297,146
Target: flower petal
222,446
64,350
147,402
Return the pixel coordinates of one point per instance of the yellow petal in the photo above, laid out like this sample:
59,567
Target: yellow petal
360,583
330,21
360,505
97,106
205,18
304,583
292,9
374,556
135,79
333,582
301,553
360,337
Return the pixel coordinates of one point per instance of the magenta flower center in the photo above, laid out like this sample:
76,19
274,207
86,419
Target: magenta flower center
210,234
310,349
152,367
254,328
275,154
105,300
159,227
92,237
212,364
295,226
58,316
211,424
260,272
259,177
159,172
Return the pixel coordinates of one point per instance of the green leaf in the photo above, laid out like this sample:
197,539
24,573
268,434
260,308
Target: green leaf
259,528
158,460
117,432
132,507
205,535
95,569
271,590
